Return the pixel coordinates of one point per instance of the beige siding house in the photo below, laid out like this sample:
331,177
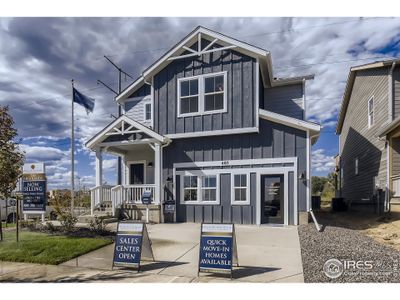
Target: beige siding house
368,129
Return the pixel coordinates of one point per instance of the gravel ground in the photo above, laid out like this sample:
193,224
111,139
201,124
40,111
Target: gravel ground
346,245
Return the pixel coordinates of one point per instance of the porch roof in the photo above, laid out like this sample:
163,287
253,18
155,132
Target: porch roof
124,126
390,127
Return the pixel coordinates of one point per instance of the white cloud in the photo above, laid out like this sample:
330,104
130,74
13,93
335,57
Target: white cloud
42,153
320,162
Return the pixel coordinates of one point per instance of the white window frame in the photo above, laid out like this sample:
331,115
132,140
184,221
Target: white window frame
190,188
151,111
233,188
356,165
201,95
199,200
370,124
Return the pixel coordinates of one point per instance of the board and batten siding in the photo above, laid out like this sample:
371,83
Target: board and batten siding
286,100
359,141
241,89
396,156
273,141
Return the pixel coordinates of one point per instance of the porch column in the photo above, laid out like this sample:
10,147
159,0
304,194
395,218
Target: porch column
157,172
99,167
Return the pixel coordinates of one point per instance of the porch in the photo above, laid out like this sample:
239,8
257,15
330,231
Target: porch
140,151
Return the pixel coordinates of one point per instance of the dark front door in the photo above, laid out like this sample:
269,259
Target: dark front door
272,203
136,174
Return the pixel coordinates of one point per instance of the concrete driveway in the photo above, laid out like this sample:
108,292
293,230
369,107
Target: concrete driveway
266,254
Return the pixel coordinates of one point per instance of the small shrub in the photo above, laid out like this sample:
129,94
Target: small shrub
97,225
68,221
50,227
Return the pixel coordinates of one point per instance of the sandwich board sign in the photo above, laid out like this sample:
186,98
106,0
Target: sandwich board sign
34,189
218,249
132,243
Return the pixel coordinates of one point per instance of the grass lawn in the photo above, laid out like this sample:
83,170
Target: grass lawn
8,225
35,247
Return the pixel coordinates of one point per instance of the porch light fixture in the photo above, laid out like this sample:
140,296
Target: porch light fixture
150,164
169,179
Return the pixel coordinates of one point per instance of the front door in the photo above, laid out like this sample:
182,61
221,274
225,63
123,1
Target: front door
272,199
136,173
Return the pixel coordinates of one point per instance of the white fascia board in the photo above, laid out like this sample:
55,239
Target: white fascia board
130,89
243,47
99,137
289,121
187,135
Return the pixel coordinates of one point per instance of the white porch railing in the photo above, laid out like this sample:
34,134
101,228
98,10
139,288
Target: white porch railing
98,195
120,194
396,186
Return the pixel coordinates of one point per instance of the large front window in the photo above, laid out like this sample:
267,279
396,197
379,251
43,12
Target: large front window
198,188
202,94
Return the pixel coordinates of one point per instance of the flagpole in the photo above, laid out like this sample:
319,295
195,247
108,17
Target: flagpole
72,149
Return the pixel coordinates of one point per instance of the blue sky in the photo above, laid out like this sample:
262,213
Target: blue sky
39,56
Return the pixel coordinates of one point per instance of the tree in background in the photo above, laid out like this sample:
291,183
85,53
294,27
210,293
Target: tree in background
11,158
323,186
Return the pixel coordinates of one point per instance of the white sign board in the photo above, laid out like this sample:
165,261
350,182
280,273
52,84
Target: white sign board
130,227
33,168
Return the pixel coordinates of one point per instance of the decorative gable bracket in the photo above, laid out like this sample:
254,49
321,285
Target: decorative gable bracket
199,50
125,128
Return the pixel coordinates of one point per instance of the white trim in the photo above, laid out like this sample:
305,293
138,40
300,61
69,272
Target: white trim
289,121
199,175
257,105
258,171
192,37
132,162
100,136
212,133
356,166
145,103
236,162
308,171
304,100
369,112
233,188
152,101
124,143
201,94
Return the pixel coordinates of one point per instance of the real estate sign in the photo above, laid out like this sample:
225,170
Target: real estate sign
131,243
218,251
34,188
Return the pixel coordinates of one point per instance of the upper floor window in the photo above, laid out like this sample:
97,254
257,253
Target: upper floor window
147,111
356,166
202,94
370,112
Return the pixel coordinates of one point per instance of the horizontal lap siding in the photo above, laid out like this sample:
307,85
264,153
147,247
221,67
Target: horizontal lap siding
357,140
396,81
274,140
241,89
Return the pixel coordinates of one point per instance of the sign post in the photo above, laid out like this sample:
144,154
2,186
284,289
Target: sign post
218,249
34,190
146,200
132,243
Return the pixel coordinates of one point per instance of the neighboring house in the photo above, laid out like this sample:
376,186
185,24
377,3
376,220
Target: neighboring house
208,128
369,129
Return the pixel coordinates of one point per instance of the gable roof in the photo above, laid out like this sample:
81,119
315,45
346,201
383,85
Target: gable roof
134,126
349,87
263,57
312,127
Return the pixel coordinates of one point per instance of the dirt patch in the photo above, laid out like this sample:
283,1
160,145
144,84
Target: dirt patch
384,228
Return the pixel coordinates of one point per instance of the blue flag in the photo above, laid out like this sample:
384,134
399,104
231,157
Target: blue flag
86,102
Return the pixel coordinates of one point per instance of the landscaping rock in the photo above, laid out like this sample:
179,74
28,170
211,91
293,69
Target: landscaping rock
346,245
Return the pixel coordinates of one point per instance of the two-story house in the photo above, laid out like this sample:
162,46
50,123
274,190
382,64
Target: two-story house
369,129
208,128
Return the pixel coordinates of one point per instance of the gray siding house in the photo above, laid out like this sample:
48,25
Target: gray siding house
369,130
213,135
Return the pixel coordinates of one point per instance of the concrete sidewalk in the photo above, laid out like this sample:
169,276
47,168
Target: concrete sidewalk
266,254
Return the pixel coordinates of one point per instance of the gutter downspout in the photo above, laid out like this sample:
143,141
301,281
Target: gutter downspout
390,119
